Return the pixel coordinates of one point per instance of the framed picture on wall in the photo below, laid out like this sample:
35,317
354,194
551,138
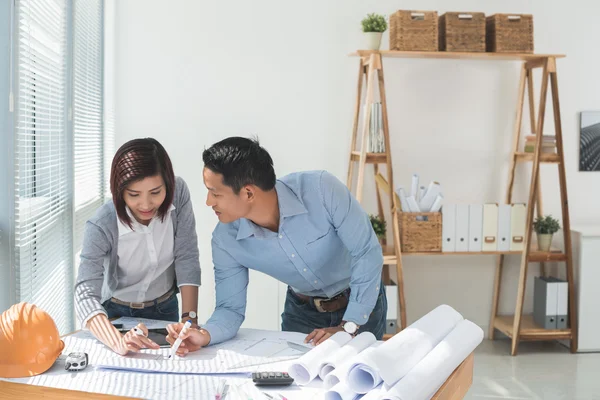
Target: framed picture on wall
589,141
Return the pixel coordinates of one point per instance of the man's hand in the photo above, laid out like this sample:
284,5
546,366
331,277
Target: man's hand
194,322
320,335
193,339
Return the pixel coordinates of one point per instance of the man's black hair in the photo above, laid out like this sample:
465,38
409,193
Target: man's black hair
242,162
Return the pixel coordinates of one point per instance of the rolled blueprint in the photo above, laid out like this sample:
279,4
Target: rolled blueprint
434,369
341,371
341,391
362,376
307,367
414,186
395,357
347,351
403,199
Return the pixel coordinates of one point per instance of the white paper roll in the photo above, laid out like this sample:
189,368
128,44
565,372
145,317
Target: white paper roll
430,373
341,391
375,393
399,354
362,374
307,367
340,373
347,351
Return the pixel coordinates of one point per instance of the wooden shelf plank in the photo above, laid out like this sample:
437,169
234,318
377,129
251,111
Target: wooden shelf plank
543,256
534,256
457,55
372,158
529,329
547,158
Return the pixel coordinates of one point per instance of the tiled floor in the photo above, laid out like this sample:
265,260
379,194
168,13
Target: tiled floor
541,370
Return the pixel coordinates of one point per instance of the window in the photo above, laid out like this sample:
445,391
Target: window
58,140
88,140
43,258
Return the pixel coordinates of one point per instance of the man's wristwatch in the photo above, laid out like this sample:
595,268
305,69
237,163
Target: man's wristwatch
191,315
350,327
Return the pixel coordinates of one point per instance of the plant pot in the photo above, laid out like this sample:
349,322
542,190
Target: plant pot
544,241
373,40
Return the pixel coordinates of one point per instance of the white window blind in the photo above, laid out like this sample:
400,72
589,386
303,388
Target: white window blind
88,140
43,214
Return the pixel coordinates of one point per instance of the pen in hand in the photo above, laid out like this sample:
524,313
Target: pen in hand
177,343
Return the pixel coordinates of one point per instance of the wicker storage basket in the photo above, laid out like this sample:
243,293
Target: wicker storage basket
420,232
509,33
462,32
414,30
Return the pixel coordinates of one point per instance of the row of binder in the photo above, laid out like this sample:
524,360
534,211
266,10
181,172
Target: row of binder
483,227
550,302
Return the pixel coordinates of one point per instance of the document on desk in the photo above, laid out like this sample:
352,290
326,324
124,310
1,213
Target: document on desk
121,382
243,354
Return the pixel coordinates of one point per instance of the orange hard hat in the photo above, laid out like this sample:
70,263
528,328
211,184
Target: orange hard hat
29,341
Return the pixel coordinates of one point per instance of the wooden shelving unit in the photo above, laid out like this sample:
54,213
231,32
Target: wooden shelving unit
518,326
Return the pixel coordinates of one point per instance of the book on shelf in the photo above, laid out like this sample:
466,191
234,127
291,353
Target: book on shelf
548,144
376,139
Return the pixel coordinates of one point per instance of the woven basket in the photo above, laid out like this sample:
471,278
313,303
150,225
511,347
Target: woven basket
509,33
414,30
420,232
462,32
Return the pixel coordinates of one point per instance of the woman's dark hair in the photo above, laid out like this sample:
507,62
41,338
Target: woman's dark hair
242,162
134,161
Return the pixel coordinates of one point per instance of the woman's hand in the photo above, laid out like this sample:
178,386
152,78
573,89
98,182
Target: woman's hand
193,339
134,342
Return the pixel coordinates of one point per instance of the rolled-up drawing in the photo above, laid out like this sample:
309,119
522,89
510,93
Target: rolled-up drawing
395,357
347,351
412,204
346,358
437,204
341,391
431,372
375,393
403,201
307,367
432,191
422,191
414,187
362,374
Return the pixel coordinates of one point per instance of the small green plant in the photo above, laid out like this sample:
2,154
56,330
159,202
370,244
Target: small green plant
374,23
546,225
379,226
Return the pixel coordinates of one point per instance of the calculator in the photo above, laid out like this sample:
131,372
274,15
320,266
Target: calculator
272,379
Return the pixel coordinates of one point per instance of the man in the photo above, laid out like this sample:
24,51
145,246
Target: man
305,230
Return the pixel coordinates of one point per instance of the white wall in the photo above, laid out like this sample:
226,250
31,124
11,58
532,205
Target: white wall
190,73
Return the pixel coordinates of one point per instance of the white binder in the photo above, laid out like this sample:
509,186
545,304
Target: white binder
490,227
504,217
517,227
475,226
448,227
462,227
391,292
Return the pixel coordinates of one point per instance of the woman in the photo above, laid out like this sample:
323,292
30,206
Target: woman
139,250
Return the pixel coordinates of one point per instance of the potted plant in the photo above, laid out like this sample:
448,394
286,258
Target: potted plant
379,227
373,26
545,227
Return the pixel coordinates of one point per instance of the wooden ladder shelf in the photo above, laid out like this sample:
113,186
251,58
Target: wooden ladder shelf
518,326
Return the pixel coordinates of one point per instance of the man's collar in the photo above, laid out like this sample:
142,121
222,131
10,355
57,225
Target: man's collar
289,205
